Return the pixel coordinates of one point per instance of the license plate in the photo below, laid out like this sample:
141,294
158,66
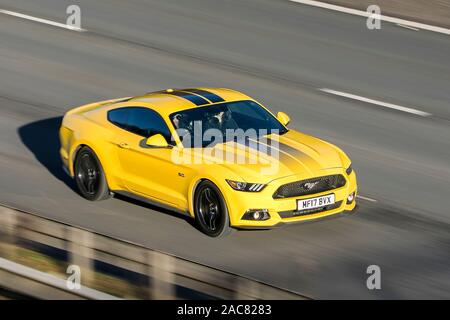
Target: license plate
317,202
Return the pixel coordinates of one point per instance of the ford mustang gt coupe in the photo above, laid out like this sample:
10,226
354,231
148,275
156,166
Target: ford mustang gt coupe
213,154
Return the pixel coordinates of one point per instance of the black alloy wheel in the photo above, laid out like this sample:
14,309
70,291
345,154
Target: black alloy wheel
89,176
211,212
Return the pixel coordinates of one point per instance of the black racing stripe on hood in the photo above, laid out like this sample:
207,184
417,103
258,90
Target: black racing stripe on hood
257,144
283,147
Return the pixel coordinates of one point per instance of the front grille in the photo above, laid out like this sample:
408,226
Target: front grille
295,213
309,186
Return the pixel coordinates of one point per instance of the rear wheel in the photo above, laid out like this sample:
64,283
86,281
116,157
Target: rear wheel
89,176
211,212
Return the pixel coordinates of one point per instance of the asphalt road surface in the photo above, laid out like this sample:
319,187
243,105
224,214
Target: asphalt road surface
281,53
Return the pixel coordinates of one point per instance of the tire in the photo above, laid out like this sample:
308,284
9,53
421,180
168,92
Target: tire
89,176
211,214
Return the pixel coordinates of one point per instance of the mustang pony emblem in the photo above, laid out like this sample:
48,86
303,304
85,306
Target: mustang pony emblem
310,185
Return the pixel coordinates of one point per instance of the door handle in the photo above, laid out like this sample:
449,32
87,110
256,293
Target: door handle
123,145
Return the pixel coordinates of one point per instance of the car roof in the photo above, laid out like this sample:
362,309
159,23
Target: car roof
173,100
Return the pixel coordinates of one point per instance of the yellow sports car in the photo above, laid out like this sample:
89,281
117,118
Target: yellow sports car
213,154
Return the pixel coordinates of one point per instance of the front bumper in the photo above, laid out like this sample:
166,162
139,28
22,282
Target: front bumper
239,202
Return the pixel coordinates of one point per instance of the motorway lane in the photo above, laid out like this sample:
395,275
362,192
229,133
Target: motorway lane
402,161
281,40
325,259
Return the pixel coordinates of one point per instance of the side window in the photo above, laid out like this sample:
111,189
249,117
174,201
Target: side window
119,117
141,121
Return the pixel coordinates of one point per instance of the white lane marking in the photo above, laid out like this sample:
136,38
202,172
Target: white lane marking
45,21
407,27
367,14
366,198
380,103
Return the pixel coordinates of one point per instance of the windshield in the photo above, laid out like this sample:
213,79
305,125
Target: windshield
206,126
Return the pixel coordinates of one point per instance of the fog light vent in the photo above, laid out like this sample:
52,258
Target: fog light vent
256,215
350,198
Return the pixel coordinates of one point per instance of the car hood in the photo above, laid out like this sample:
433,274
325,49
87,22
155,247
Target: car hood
294,153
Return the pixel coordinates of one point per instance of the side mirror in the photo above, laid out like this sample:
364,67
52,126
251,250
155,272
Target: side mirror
283,118
157,141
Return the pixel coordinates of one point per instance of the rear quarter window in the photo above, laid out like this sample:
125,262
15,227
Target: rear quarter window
119,117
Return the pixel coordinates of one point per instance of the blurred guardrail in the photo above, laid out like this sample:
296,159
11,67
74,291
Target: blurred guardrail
84,248
34,283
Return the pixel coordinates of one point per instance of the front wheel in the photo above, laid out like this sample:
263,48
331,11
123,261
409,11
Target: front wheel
211,212
89,176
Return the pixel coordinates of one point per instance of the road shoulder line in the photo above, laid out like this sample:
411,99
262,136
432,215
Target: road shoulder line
376,102
40,20
412,24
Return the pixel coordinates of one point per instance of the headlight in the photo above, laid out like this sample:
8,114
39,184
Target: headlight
349,170
245,186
